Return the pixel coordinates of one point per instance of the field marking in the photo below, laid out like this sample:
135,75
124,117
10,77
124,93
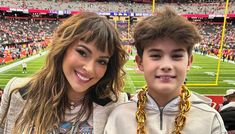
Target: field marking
7,67
197,67
232,82
215,57
129,68
210,73
128,77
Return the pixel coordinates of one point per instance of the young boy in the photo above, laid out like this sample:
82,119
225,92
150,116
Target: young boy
164,53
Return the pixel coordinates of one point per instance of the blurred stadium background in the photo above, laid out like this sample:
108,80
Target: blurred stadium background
26,27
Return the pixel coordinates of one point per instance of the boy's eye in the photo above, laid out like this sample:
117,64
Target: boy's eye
103,62
155,55
177,56
81,52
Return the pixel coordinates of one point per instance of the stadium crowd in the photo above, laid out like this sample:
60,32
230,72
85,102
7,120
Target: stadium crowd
14,52
181,6
17,31
212,35
20,38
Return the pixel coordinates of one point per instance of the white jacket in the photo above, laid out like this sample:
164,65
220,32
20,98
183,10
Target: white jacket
201,118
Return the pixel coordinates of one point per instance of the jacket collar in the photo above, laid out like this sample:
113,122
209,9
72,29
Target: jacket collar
173,104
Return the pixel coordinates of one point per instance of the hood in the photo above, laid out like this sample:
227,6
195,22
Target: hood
196,98
172,105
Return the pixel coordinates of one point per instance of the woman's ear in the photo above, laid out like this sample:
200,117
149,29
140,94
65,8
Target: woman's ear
138,60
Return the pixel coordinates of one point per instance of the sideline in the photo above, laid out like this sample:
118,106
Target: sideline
7,67
215,57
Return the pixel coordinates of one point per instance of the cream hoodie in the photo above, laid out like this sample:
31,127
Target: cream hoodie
201,118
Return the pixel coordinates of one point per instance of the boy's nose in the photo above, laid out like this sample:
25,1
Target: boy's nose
166,65
166,68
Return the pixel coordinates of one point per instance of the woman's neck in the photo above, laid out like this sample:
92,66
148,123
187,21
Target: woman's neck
74,96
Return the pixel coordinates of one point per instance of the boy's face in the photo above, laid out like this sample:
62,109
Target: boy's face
165,65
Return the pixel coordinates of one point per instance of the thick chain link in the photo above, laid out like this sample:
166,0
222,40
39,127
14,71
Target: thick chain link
184,107
140,113
180,119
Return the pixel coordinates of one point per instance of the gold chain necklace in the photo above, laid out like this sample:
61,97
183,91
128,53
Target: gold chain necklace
180,119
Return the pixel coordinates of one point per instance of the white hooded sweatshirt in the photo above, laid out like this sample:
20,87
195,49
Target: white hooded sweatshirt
200,119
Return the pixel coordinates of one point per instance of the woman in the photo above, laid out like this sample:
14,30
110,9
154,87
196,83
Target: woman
74,91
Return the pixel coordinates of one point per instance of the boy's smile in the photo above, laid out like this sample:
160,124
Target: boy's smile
165,65
165,78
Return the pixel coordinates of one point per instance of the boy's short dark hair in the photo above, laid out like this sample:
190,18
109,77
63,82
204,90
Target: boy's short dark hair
165,25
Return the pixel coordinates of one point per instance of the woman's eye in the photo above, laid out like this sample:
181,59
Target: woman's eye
82,53
103,62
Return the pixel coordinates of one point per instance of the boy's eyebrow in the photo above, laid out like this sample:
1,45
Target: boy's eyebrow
159,50
155,50
179,50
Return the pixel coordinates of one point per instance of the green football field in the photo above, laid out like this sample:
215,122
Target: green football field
202,72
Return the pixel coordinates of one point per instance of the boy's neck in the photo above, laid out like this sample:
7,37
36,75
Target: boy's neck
162,99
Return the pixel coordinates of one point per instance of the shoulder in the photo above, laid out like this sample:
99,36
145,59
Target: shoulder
122,98
201,108
107,105
124,109
201,102
200,105
122,119
12,84
16,82
122,114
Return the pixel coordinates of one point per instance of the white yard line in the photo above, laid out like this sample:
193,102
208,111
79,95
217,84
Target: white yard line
7,67
132,85
215,57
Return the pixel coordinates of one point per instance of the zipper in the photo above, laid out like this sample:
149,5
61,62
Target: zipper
161,114
161,109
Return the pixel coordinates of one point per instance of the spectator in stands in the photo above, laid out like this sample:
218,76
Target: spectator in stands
164,53
3,62
24,67
76,89
228,110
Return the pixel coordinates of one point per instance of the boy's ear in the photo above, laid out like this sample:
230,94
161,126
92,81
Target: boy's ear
190,61
138,60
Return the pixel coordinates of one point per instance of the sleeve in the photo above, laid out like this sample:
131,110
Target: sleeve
218,125
121,120
5,101
111,127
